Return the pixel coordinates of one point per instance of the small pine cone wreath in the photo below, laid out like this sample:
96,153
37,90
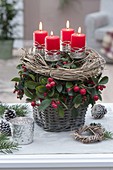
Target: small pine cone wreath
5,127
9,114
98,111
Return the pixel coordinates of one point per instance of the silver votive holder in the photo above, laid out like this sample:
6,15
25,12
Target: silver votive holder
23,130
53,55
65,46
78,53
39,49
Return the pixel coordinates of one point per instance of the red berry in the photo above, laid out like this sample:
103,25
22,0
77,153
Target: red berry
57,102
52,101
45,94
48,86
91,82
68,89
14,91
64,62
23,66
101,87
18,92
84,98
33,103
54,105
82,91
64,98
76,88
71,97
95,97
41,100
50,79
24,75
25,69
52,83
98,87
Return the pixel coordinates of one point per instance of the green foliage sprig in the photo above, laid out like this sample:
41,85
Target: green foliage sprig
6,146
21,110
108,135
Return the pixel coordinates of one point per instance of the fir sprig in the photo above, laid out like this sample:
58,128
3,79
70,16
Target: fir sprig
108,135
21,110
7,146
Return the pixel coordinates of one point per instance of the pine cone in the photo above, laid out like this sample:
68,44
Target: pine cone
9,114
5,127
98,111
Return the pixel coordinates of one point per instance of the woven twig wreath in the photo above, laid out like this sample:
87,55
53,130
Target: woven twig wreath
96,134
93,66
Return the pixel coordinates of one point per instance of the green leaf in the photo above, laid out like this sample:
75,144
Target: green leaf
64,105
59,88
17,79
25,73
76,105
19,66
71,93
66,66
74,112
64,59
100,97
69,85
95,80
73,66
28,93
41,89
104,80
30,84
51,93
77,99
43,81
60,111
45,103
94,92
32,76
39,95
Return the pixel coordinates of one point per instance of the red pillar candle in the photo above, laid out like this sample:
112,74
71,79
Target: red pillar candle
39,36
52,42
78,40
66,33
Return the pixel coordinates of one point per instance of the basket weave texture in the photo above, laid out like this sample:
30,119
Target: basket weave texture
50,120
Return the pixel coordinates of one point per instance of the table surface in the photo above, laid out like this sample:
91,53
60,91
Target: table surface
60,149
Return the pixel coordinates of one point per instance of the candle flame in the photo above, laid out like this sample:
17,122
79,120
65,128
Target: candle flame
51,33
40,26
67,24
79,30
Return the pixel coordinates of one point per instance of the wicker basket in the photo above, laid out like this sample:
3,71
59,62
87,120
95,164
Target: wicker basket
50,120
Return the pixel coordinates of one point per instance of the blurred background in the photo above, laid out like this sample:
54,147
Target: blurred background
18,20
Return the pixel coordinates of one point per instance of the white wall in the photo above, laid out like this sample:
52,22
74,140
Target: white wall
53,18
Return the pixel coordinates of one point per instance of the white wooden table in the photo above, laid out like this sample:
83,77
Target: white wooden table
52,150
